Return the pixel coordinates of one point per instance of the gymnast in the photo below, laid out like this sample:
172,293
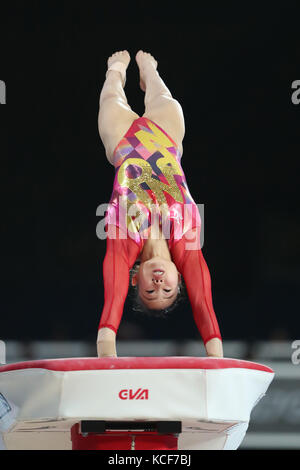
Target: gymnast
152,222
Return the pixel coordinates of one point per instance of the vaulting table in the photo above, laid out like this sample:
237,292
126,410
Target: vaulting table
129,403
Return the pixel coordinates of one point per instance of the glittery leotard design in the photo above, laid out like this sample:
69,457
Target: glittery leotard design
150,186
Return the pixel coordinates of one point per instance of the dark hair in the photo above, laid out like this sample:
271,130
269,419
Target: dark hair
139,306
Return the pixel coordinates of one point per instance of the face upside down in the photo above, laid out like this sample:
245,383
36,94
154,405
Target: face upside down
158,283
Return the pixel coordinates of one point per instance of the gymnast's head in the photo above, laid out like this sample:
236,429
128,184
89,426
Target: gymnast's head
157,286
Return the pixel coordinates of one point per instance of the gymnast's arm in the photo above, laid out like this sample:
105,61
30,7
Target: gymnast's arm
189,260
119,258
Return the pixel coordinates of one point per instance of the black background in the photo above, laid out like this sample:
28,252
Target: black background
231,67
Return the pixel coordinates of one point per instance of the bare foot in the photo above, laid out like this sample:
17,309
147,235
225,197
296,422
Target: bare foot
144,61
120,56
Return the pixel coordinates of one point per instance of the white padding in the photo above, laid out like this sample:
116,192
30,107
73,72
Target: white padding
214,405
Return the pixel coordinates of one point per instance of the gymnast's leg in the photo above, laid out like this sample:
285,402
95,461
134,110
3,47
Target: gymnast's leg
115,115
160,106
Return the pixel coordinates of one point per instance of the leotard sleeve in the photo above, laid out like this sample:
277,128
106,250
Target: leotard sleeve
192,266
120,256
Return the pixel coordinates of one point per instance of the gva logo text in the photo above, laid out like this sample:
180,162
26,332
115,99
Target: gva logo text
139,394
2,92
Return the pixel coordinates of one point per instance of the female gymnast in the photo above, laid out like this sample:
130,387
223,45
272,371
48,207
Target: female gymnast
151,216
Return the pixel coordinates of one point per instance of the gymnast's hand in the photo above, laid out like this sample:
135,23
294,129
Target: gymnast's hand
106,343
214,348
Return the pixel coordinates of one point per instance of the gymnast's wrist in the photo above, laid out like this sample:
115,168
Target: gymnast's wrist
106,334
214,347
106,343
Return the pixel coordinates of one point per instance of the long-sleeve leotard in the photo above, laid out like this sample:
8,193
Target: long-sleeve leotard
119,258
192,265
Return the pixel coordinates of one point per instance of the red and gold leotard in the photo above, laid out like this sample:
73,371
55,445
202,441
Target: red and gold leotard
150,189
